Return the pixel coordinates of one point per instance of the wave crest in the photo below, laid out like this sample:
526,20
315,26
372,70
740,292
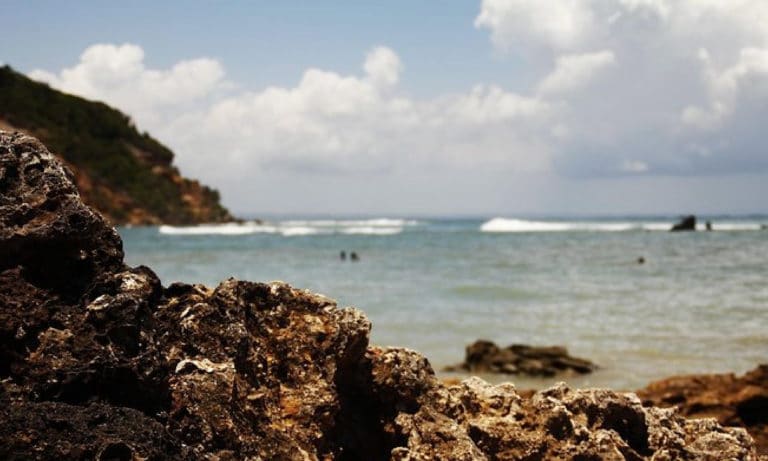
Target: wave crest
291,228
523,225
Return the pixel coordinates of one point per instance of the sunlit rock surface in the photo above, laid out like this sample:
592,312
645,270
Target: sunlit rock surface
99,361
740,401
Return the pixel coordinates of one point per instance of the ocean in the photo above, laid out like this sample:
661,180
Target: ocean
698,304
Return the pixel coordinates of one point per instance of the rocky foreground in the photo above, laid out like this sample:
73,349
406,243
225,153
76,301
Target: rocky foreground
99,361
732,400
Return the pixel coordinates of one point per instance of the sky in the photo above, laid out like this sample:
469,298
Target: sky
492,107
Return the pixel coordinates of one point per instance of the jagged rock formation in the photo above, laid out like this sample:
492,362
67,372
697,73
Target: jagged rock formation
740,401
129,177
99,361
486,357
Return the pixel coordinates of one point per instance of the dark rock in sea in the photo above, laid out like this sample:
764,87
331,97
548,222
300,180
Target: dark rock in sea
687,223
740,401
486,357
100,361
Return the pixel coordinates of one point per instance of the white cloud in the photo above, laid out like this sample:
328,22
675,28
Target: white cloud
651,92
327,122
620,87
574,71
332,122
117,75
725,87
558,24
383,66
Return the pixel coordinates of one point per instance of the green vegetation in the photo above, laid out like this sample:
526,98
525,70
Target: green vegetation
104,144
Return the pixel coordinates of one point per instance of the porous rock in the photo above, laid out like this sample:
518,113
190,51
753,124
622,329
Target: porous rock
100,361
45,228
740,401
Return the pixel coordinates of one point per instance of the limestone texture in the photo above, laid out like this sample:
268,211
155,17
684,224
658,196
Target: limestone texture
100,361
740,401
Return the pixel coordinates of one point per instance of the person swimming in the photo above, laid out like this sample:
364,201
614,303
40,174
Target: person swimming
353,256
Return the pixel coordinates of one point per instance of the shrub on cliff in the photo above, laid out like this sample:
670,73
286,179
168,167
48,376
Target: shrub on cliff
102,145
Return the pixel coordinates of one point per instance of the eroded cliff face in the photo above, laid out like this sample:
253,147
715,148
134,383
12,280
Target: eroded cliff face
100,361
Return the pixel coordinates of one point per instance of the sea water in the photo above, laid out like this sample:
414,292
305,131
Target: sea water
698,304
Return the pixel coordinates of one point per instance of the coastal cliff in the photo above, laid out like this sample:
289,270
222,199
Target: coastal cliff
128,176
99,361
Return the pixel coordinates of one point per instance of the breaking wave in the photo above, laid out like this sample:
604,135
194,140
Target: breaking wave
291,228
523,225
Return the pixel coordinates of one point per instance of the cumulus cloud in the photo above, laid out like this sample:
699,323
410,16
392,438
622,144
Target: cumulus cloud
725,86
672,76
574,71
383,66
359,123
557,24
327,123
621,87
117,75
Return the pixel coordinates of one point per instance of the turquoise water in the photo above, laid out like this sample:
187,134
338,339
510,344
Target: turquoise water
698,304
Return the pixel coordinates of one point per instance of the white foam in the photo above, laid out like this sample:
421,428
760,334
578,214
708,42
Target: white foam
293,228
522,225
658,226
218,229
376,222
298,230
369,230
734,226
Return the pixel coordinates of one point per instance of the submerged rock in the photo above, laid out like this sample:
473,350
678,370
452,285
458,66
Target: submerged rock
687,223
486,357
100,361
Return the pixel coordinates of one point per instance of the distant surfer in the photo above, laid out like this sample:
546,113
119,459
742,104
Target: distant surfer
353,256
343,255
708,225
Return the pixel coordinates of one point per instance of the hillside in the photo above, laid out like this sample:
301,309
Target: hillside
128,176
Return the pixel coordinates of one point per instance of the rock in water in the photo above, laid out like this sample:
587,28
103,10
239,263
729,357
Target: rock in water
688,223
486,357
100,361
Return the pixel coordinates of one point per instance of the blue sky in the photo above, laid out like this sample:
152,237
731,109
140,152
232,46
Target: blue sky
264,43
495,107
